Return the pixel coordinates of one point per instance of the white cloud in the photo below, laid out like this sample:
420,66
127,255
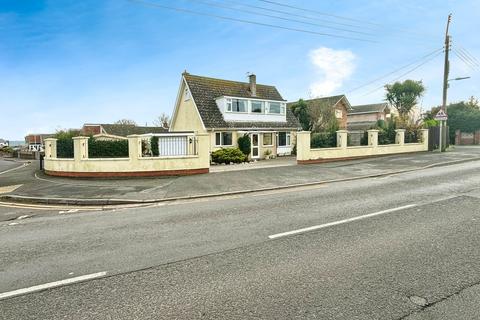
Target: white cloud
334,67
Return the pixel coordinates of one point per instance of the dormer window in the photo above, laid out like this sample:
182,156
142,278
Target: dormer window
276,108
258,107
237,105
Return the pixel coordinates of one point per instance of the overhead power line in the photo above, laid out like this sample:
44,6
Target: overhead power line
407,73
182,10
223,6
437,51
318,12
293,14
468,56
365,23
465,60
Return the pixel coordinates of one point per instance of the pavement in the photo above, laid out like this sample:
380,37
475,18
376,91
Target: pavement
31,185
390,247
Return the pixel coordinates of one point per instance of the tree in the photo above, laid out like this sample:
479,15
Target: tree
300,110
316,117
125,122
162,120
404,96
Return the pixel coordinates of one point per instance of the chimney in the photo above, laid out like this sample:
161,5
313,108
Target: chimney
253,84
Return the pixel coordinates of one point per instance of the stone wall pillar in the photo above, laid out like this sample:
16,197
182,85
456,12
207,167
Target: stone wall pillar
424,138
303,145
400,136
342,139
80,148
372,138
134,147
50,148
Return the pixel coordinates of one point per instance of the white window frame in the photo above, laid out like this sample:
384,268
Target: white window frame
186,95
229,106
282,108
263,139
250,102
221,133
288,139
338,114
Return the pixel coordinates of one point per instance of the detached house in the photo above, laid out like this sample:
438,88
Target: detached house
339,103
228,110
363,117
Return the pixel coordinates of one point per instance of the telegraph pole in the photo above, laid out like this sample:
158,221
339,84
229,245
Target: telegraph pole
446,70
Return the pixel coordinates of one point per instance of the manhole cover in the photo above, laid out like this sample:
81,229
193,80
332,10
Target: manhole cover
419,301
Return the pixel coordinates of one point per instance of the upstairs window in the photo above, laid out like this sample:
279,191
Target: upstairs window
338,114
186,95
237,105
258,107
276,108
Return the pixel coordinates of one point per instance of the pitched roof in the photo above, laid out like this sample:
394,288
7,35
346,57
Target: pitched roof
328,101
206,90
360,126
125,130
369,108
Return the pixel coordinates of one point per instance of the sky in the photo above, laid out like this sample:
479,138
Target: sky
67,62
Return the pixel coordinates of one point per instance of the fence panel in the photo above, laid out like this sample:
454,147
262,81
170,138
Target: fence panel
173,146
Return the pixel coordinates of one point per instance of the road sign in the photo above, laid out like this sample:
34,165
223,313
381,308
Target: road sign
441,116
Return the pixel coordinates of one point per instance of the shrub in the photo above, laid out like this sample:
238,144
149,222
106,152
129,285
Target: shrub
245,145
154,146
6,149
323,140
228,155
65,148
107,149
430,123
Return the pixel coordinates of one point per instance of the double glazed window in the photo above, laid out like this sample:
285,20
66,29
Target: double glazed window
237,105
267,139
255,106
284,139
223,138
258,106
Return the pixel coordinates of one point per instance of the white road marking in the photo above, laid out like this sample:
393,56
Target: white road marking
335,223
20,166
51,285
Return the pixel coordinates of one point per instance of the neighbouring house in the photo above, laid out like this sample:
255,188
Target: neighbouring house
363,117
339,103
117,131
3,143
228,110
35,142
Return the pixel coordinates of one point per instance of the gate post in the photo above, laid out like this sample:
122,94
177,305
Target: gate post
400,136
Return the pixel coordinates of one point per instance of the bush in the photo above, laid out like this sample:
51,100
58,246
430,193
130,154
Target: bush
323,140
245,145
6,149
65,148
228,155
154,146
107,149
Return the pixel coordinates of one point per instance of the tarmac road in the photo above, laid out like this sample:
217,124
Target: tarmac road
414,253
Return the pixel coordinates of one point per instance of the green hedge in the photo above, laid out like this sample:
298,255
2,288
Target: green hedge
154,146
65,148
107,149
323,140
228,155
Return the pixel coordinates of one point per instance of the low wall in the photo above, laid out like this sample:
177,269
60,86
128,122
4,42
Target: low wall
134,166
305,154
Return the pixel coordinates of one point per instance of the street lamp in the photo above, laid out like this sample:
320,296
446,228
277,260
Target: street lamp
457,79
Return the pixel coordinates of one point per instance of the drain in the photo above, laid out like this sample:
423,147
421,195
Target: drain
419,301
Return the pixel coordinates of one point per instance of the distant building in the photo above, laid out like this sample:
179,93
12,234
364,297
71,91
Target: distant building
106,131
4,143
363,117
35,142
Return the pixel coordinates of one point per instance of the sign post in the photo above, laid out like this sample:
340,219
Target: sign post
442,117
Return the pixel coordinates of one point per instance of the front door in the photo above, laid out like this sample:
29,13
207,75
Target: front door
255,148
